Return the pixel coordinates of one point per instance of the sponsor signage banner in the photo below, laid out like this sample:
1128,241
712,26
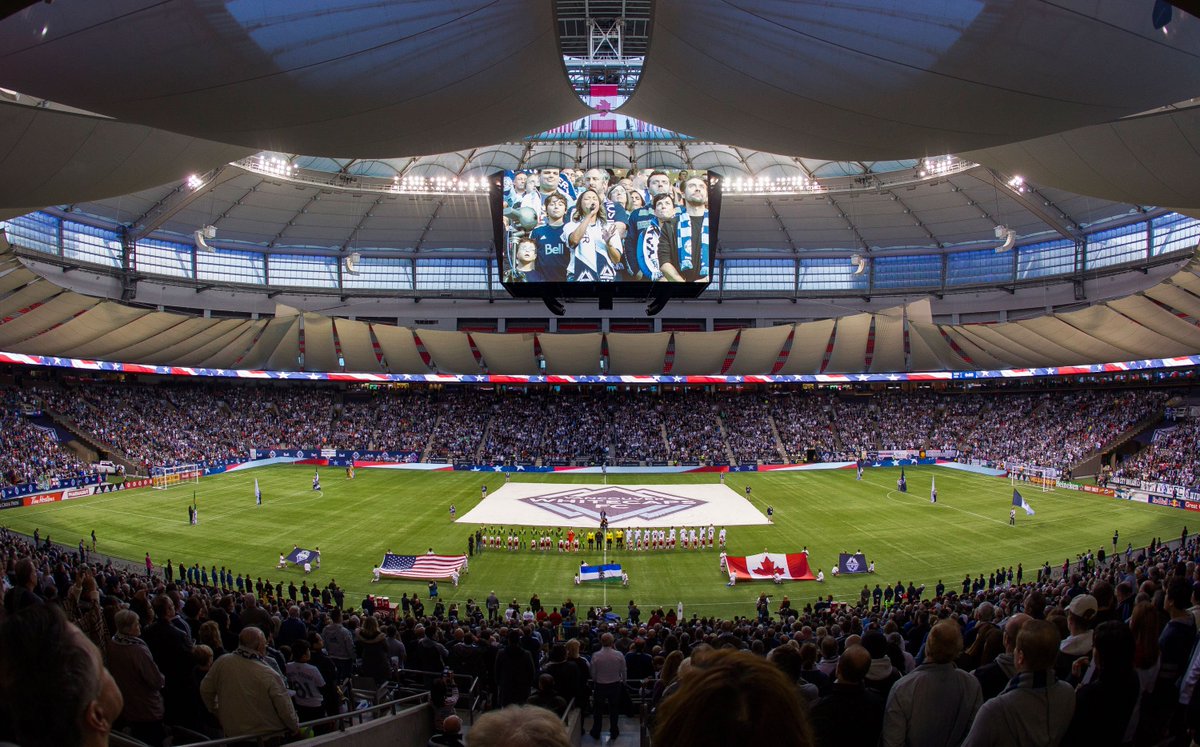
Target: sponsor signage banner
35,500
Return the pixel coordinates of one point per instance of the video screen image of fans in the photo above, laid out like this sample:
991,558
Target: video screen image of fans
566,225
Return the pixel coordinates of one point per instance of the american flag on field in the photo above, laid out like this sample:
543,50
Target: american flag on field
420,566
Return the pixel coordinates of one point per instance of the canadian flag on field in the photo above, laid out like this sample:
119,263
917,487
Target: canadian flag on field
603,98
792,566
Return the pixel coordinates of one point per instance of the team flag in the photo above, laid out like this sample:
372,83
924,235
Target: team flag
257,492
1020,502
852,563
792,566
300,556
607,572
421,566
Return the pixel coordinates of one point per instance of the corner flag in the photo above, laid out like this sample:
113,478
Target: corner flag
1020,502
257,493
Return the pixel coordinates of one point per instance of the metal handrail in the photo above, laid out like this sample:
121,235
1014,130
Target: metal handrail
343,721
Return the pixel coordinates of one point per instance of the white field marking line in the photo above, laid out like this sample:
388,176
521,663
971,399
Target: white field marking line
939,503
873,535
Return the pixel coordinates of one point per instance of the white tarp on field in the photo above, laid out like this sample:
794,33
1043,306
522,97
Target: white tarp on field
544,504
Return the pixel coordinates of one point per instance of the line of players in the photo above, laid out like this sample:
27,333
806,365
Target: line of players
540,540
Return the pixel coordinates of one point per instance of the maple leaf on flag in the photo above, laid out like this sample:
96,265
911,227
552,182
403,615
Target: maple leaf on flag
603,106
766,569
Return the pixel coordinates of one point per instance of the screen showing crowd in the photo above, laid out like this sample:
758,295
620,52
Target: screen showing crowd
601,226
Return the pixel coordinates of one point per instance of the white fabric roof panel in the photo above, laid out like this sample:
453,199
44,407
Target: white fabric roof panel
15,278
758,349
27,296
399,349
1034,347
364,78
1127,335
53,311
1154,317
450,351
227,349
635,354
1085,347
1187,279
888,353
168,347
984,339
277,346
357,348
701,353
809,342
225,346
114,344
319,352
1175,297
505,353
571,354
929,351
850,344
70,336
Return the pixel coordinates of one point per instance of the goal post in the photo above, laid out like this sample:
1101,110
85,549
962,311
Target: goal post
165,477
1042,478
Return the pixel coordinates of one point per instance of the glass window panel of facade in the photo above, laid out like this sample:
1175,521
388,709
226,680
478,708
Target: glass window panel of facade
383,273
231,266
1046,258
303,271
163,258
1116,246
1174,233
90,244
980,266
759,274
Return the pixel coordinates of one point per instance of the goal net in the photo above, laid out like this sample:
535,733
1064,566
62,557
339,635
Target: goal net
178,474
1042,478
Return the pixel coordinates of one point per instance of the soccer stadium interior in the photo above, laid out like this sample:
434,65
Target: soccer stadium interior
956,250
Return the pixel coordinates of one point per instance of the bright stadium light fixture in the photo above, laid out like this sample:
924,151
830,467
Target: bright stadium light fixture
351,262
859,262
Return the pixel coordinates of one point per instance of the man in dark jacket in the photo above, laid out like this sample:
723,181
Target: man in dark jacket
515,671
852,715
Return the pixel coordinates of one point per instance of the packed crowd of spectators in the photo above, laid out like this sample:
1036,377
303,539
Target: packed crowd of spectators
747,421
637,424
28,454
1173,458
462,422
803,422
384,420
1103,648
693,428
179,423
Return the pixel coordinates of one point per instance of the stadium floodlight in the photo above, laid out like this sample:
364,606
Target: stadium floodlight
204,234
351,262
1008,236
859,262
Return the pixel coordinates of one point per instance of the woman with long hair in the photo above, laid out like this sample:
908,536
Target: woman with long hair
594,241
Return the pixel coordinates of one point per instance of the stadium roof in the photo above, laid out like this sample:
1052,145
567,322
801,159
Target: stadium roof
107,108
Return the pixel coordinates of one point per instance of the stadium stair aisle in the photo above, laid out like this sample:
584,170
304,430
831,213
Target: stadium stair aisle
778,441
725,440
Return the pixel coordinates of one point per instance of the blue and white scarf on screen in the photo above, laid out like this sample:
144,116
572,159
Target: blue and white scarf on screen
687,253
647,251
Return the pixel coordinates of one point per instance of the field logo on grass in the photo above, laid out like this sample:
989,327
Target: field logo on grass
617,503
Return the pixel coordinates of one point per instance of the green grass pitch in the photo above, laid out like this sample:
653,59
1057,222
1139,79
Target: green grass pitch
354,522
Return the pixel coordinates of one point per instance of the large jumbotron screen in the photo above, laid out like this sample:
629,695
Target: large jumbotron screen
586,232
